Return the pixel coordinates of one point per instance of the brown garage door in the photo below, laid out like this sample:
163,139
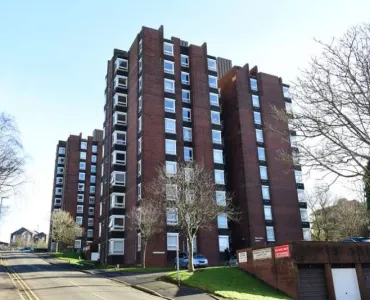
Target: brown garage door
312,282
366,272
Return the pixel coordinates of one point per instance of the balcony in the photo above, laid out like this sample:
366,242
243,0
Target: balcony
119,100
121,64
119,138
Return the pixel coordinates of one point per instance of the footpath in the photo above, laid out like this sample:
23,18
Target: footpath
146,282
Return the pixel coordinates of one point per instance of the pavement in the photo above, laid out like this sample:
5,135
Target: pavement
148,282
36,279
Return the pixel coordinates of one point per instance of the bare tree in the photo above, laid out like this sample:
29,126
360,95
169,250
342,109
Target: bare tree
64,228
11,155
147,219
190,198
332,107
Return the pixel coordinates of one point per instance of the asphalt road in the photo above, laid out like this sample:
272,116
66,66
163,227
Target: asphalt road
39,280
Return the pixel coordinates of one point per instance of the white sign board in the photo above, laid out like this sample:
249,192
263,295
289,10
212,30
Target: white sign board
262,254
242,257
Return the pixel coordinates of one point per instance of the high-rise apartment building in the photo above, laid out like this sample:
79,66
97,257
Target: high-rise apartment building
162,107
76,186
268,189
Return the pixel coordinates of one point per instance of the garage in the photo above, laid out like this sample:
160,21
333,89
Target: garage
312,282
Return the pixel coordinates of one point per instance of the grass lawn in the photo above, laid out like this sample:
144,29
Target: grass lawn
72,258
138,270
227,282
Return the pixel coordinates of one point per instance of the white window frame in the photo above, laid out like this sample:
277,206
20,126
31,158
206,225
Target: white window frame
112,226
61,160
92,178
83,155
171,164
90,222
91,211
191,158
270,229
222,221
61,150
185,78
286,92
172,102
218,154
188,111
60,170
59,180
116,161
288,107
139,191
112,251
94,149
92,189
116,120
114,200
306,234
217,141
221,201
221,248
304,214
261,157
117,84
81,176
212,64
93,169
293,141
57,201
117,101
140,46
186,60
190,130
211,95
94,158
91,199
265,195
255,101
121,61
170,146
80,198
139,241
81,187
83,145
262,173
140,64
223,176
172,212
114,179
267,210
185,92
211,84
254,84
166,51
169,81
257,118
140,124
140,103
115,138
168,121
166,70
90,233
258,139
79,209
172,247
139,166
139,145
298,176
140,83
219,117
77,244
79,220
301,195
169,196
58,191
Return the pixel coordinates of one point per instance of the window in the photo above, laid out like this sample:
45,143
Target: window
139,168
93,168
119,118
216,137
293,141
81,176
60,170
169,105
306,234
140,46
265,192
140,64
255,101
170,147
168,67
80,209
171,216
261,153
188,154
79,220
301,196
171,167
185,78
221,198
221,221
92,178
118,178
170,125
91,211
259,135
101,188
304,215
219,177
187,132
116,246
60,160
186,114
121,64
93,158
120,81
140,83
286,92
257,118
117,200
171,192
270,234
218,156
61,150
90,222
140,103
116,223
59,180
185,94
139,191
77,244
58,191
57,201
81,187
212,81
83,145
140,125
80,197
223,242
254,86
119,157
139,145
94,148
215,117
168,48
169,85
91,199
172,241
213,98
90,233
188,174
298,176
288,108
139,242
268,212
92,189
184,60
82,155
263,173
212,65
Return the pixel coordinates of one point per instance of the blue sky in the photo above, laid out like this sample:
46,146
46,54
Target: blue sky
53,60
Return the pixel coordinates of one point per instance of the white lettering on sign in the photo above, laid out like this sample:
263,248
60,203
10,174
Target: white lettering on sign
262,254
242,257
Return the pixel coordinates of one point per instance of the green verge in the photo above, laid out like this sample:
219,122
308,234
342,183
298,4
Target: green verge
72,258
227,282
138,270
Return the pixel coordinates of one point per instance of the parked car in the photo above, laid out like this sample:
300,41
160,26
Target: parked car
26,249
233,262
356,240
199,260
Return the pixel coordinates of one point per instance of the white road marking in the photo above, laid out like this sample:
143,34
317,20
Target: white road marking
99,296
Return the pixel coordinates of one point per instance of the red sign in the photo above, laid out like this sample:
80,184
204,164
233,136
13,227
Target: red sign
282,251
